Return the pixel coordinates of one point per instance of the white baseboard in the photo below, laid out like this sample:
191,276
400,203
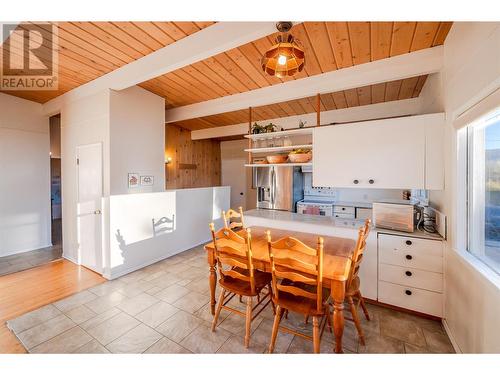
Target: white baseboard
452,339
71,259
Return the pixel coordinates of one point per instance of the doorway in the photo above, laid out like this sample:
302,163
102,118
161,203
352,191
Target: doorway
89,206
55,180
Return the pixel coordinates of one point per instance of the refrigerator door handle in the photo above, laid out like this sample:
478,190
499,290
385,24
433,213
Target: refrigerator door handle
273,186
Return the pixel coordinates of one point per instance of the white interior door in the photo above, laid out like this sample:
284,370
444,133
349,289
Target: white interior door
234,175
89,206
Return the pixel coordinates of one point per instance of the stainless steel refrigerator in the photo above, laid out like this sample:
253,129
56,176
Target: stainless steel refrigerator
279,188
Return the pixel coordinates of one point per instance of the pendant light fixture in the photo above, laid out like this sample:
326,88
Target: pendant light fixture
285,57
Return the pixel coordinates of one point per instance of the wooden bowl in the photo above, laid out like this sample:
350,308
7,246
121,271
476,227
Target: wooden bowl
276,159
300,158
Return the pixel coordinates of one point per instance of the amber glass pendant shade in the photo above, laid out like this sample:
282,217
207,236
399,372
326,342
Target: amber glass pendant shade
284,59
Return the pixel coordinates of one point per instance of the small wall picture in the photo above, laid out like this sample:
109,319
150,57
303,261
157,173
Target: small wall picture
133,180
147,180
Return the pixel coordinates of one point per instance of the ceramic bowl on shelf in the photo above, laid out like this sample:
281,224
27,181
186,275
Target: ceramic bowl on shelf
276,159
300,158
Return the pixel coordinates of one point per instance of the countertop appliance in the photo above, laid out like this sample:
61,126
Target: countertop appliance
395,215
279,187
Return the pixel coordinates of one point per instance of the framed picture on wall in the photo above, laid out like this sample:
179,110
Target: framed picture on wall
147,180
133,180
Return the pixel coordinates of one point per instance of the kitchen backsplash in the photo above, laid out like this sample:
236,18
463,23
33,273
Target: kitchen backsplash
350,195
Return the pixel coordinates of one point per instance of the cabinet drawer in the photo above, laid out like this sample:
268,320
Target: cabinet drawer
343,210
363,213
411,259
411,298
424,247
411,277
343,215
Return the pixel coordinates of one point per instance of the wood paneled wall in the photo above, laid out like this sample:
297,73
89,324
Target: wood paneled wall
194,163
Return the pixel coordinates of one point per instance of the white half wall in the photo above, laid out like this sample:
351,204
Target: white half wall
134,243
24,176
137,136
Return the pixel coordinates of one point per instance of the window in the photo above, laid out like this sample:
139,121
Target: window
483,174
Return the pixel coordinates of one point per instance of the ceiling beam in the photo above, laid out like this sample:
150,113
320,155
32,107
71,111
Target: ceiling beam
426,61
210,41
367,112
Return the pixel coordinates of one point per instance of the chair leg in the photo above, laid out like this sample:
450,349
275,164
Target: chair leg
248,322
276,324
219,308
306,319
316,336
363,306
241,299
286,314
271,298
329,319
355,317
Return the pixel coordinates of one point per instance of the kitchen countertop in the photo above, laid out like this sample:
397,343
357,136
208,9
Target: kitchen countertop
331,221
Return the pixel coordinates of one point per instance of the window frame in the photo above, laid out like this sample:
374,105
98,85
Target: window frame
466,143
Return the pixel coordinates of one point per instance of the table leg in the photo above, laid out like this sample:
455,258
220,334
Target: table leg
338,295
212,279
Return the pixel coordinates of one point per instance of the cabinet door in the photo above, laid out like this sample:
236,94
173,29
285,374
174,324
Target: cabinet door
380,154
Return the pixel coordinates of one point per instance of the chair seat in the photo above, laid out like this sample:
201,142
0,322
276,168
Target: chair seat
242,287
298,304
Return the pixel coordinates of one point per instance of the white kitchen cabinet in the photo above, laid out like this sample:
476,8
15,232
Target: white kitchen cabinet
410,273
380,154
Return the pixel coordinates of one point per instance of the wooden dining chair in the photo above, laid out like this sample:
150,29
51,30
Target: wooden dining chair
353,294
229,217
297,273
237,276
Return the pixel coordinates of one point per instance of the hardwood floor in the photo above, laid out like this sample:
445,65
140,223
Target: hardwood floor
28,290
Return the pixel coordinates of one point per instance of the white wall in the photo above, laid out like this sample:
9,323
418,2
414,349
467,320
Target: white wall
83,122
24,176
137,135
472,294
134,244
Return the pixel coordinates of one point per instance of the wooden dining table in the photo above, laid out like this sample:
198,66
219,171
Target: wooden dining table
337,255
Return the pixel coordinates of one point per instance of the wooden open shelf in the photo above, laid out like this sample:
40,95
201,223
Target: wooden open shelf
300,131
279,165
261,150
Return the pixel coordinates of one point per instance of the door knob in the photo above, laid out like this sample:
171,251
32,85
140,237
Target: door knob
97,212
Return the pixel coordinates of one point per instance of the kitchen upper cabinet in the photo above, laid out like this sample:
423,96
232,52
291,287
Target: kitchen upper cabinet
380,154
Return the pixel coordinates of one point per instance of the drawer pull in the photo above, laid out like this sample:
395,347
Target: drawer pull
408,273
371,181
408,292
343,208
409,257
408,242
356,182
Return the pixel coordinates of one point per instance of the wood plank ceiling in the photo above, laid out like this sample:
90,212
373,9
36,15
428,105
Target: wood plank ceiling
372,94
91,49
328,46
88,50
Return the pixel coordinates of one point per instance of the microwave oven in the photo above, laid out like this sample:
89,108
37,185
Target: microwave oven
395,216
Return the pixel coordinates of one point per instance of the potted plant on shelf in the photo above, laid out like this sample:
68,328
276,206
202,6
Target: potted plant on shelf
302,124
270,128
300,155
258,129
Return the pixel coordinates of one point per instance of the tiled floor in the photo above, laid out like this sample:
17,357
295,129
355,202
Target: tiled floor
164,308
23,261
